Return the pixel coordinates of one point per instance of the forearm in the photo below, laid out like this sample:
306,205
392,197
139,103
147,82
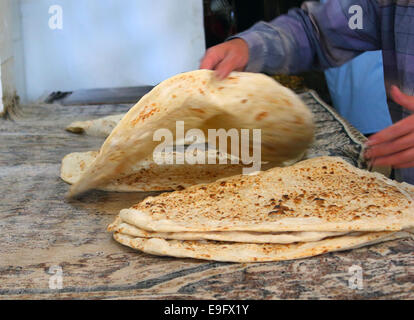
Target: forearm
315,37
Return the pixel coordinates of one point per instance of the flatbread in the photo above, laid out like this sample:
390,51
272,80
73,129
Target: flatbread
249,252
147,175
100,127
242,100
319,194
230,236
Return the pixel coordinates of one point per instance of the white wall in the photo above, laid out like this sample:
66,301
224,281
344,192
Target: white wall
109,43
1,96
11,51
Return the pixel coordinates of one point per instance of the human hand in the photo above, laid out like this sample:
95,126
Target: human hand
226,57
394,146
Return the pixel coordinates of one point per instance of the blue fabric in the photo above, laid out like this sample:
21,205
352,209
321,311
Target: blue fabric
358,93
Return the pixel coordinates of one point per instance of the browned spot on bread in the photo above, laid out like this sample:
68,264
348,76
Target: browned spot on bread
298,120
198,110
261,116
287,102
144,114
271,213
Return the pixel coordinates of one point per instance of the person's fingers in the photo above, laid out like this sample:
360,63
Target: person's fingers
226,57
212,57
398,129
208,62
394,146
388,148
402,99
227,65
395,159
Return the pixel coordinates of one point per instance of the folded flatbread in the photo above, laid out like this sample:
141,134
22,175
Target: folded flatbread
100,127
251,252
241,101
147,175
315,206
324,194
230,236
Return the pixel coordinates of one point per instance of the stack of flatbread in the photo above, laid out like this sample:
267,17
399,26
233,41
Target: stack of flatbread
313,207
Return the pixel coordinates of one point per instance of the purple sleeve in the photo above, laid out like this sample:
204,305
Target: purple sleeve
317,36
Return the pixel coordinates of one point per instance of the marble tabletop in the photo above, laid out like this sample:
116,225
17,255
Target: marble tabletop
54,248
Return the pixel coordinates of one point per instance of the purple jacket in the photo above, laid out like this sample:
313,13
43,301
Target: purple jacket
319,36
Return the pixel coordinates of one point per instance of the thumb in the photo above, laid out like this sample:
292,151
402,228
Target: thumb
402,99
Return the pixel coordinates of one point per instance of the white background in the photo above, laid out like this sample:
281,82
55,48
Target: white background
109,43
